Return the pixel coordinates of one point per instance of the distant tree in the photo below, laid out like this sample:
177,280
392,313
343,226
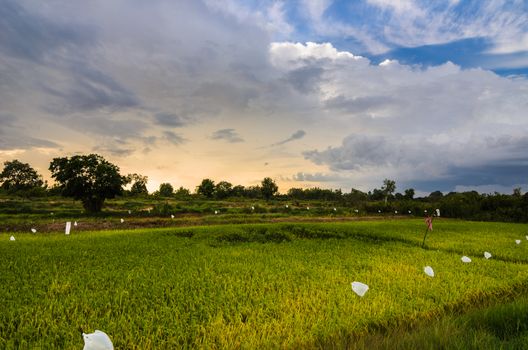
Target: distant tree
435,196
409,193
166,190
377,194
206,188
139,184
223,189
253,192
268,188
315,193
296,193
182,192
356,196
18,176
389,186
89,178
517,192
238,191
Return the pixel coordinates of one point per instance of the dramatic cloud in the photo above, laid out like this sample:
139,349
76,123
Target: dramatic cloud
229,135
422,162
119,77
412,123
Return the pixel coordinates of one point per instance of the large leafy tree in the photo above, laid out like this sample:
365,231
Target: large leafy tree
268,188
88,178
18,176
206,188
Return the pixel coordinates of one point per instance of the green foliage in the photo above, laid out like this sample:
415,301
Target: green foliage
166,190
223,189
18,177
206,188
436,196
139,184
355,197
389,186
501,326
238,191
89,178
254,234
409,193
163,209
182,193
315,193
253,192
269,188
376,194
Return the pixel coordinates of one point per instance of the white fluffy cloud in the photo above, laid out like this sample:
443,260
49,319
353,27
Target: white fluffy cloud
411,123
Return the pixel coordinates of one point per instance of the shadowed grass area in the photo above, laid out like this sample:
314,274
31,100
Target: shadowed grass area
501,326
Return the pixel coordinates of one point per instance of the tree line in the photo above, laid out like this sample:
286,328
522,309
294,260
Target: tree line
91,179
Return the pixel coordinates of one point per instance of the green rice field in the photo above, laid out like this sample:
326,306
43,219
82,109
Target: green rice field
260,286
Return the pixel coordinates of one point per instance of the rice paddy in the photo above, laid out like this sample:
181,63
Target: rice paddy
258,285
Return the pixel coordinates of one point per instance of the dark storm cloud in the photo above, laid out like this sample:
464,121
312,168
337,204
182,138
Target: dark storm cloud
122,147
226,95
355,152
229,135
61,51
488,174
299,134
101,125
18,140
174,138
317,177
92,90
305,79
6,120
358,104
113,150
169,119
13,137
499,160
25,35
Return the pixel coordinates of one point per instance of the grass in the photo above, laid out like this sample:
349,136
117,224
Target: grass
501,326
18,214
260,286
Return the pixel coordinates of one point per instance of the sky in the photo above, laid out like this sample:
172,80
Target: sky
321,93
